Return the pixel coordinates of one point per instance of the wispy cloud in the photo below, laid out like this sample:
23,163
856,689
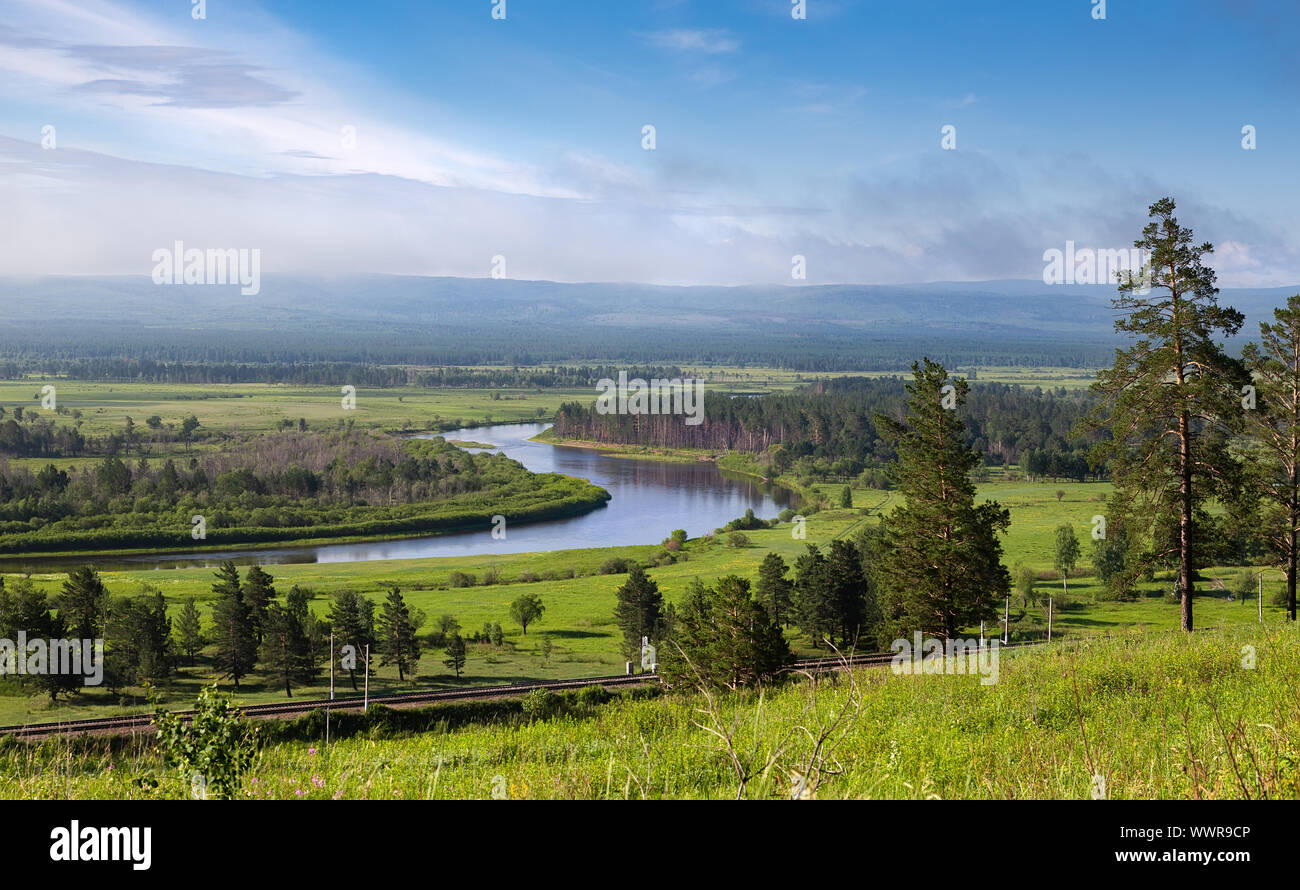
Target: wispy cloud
712,42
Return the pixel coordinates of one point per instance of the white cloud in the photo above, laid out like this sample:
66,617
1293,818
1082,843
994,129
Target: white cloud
692,40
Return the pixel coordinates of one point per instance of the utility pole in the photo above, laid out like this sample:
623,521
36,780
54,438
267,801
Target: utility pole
1006,623
981,634
1049,619
1261,597
365,704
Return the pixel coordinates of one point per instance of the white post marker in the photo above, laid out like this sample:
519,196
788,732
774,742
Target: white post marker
1006,623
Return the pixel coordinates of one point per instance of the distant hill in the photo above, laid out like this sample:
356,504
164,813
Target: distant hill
408,319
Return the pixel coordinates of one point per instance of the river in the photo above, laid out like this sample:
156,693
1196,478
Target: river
649,500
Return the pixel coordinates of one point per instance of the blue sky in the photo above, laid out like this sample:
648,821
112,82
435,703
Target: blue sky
477,137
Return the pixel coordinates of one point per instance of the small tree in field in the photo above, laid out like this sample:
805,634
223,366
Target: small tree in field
1067,553
456,653
526,610
212,750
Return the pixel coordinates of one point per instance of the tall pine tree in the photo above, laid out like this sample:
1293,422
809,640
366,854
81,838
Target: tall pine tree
397,642
774,588
232,625
1274,421
941,562
1167,396
639,611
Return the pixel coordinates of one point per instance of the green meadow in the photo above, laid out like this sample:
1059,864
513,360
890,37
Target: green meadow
1211,715
579,610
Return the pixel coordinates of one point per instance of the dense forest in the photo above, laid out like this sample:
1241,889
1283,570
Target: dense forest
274,488
146,370
830,427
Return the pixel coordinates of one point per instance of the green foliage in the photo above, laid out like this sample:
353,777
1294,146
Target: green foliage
232,626
539,704
638,611
526,609
941,568
1067,550
774,588
213,749
352,618
1169,397
189,630
396,634
722,638
455,654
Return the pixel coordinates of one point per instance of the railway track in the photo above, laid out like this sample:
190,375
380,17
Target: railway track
144,722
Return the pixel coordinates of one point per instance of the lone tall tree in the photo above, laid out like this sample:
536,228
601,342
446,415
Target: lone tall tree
1067,553
941,564
1167,394
774,588
1275,421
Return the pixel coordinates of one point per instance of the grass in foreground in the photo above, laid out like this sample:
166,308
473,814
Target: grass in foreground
1145,716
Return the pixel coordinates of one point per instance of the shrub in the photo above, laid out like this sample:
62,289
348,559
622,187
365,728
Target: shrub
211,751
461,579
538,704
617,565
737,539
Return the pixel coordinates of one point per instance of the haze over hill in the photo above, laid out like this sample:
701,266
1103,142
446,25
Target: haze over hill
409,319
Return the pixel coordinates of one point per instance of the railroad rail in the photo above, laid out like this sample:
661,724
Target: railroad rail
141,722
144,722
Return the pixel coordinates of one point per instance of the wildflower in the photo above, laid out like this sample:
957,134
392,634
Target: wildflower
311,752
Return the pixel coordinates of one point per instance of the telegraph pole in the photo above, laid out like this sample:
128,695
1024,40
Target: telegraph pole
365,705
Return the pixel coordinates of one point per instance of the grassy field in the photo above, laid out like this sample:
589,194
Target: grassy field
1208,716
579,610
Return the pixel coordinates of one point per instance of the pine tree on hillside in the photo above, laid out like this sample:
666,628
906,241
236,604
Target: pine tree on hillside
397,642
813,600
259,593
232,626
941,564
83,604
1275,422
286,650
774,588
723,638
639,611
1167,396
189,631
352,618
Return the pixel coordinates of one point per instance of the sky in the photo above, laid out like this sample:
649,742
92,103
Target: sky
431,137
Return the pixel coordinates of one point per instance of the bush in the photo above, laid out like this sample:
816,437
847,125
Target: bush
737,539
528,577
461,579
786,515
211,751
538,704
617,565
491,576
593,696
